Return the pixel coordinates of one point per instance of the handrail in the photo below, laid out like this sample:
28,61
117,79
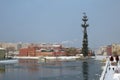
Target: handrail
105,70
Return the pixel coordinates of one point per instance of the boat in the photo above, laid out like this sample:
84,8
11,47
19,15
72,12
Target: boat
111,70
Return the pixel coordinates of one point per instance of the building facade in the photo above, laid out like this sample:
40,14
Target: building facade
109,50
2,53
44,50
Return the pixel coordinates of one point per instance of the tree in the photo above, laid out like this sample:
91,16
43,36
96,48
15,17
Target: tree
71,51
115,53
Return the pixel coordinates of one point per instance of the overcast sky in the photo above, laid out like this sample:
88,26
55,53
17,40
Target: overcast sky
59,21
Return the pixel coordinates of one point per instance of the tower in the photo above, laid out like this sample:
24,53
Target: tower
85,36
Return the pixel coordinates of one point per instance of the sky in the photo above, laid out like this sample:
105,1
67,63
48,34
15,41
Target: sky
59,21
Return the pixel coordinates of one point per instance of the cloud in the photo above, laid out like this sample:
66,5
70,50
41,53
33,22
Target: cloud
70,41
67,42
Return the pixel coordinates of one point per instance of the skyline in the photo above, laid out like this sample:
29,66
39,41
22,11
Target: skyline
59,21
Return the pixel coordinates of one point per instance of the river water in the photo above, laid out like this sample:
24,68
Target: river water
51,70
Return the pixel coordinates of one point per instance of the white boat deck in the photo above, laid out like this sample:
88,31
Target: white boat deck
111,72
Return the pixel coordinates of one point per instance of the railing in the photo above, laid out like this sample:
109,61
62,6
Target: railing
105,70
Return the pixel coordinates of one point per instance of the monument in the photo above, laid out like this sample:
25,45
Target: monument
85,36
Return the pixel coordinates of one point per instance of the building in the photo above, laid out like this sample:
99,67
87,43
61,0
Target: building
102,50
116,49
105,50
109,50
2,53
42,50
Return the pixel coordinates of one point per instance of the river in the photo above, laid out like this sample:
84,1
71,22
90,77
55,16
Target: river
51,70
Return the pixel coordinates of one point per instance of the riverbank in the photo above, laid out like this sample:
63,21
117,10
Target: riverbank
48,57
9,61
100,57
53,58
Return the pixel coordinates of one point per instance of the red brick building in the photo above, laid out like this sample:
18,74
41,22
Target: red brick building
54,50
23,52
109,50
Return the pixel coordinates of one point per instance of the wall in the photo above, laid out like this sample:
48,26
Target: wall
2,54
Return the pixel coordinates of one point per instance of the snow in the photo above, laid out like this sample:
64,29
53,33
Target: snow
8,61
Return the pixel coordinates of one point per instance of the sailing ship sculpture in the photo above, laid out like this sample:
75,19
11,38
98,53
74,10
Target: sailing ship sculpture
85,36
